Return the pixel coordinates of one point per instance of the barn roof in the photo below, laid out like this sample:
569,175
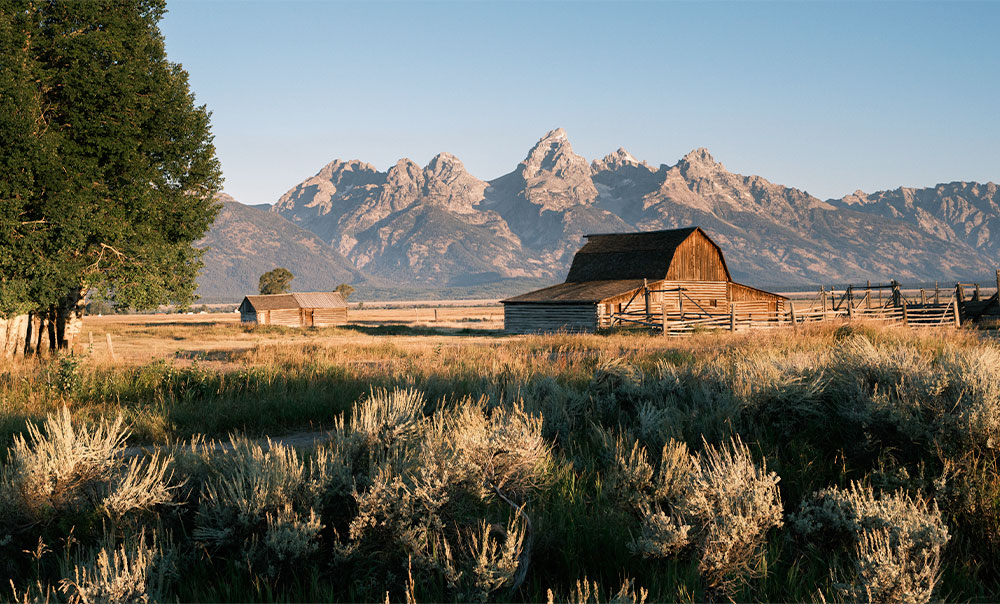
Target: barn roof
645,255
297,300
574,293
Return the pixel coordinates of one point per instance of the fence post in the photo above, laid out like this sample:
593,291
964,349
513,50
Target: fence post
732,317
923,296
906,319
959,292
649,308
791,314
998,286
897,294
850,301
868,295
111,348
975,294
666,321
822,295
958,318
680,302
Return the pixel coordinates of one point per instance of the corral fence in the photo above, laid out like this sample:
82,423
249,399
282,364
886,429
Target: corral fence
964,304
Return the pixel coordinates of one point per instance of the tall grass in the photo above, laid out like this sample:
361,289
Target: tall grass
840,464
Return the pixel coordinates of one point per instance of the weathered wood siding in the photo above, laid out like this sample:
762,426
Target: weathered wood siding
539,318
288,317
750,300
697,259
323,317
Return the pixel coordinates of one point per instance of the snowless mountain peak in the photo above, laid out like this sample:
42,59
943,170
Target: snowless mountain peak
616,161
555,135
700,156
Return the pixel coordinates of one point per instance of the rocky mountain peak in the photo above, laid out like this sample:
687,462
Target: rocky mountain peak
444,166
553,154
700,160
616,161
446,183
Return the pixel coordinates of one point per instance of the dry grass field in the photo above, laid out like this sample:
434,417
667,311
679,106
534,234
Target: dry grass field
215,336
841,463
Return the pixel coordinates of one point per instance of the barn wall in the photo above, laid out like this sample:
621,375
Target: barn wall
323,317
535,318
248,316
289,317
697,259
748,299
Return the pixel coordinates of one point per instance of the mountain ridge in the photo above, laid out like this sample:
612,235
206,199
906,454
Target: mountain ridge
440,226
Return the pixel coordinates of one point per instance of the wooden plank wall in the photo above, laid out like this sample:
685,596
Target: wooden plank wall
697,259
748,299
248,317
288,317
536,318
323,317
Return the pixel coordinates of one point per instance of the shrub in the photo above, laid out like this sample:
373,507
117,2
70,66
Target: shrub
261,503
734,503
719,501
897,540
63,470
971,401
389,418
132,572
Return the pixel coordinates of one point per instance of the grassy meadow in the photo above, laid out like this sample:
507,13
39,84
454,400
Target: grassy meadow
840,463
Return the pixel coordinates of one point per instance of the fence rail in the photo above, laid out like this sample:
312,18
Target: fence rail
881,302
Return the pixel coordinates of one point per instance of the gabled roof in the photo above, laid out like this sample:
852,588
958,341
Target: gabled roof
574,293
645,255
297,300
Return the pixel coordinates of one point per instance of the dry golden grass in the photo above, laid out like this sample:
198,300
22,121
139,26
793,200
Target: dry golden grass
139,339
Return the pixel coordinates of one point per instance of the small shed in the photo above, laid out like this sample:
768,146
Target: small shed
307,309
673,272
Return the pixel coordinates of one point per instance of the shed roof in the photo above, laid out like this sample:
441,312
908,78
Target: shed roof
297,300
645,255
577,293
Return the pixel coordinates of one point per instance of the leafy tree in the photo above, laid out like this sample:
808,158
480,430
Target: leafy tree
276,281
344,290
113,167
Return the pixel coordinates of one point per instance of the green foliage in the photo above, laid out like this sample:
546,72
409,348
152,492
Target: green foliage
344,290
276,281
115,167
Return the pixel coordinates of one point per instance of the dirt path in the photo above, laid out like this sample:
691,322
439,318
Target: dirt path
298,440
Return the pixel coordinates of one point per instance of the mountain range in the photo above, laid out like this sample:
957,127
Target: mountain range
440,226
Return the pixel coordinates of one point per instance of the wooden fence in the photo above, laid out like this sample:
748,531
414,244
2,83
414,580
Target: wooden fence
884,303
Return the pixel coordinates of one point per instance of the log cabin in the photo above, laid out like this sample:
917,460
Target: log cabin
307,309
679,272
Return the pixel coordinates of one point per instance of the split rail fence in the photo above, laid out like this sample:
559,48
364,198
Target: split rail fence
886,303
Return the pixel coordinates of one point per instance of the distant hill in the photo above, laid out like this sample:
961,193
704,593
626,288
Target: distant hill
246,242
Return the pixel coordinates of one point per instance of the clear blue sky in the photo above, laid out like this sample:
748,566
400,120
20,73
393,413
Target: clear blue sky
824,97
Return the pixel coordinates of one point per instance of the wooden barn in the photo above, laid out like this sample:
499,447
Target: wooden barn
314,309
639,278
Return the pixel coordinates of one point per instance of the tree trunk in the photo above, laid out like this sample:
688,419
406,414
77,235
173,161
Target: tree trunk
69,319
12,333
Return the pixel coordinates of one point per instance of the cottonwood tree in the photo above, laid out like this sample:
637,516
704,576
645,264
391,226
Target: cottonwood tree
113,170
276,281
344,290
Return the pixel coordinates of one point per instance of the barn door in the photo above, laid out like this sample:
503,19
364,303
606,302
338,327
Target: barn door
308,318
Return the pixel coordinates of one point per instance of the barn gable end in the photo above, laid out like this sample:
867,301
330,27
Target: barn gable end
678,255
